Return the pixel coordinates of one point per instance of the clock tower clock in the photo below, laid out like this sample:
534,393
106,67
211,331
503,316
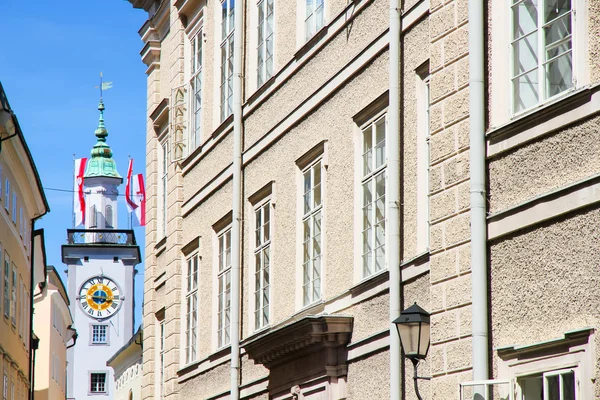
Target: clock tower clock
101,260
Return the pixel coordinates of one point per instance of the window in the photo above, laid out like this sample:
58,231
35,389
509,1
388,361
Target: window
12,391
161,357
93,217
423,162
99,334
264,52
312,216
191,304
7,196
553,385
162,209
262,264
98,382
7,292
224,288
22,311
373,197
14,208
108,215
542,51
5,388
227,28
314,17
13,305
196,89
21,223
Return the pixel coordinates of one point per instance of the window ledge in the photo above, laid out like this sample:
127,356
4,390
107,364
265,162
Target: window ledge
543,119
575,337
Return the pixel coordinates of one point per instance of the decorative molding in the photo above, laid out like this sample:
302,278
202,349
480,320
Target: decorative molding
545,207
569,339
374,108
261,193
191,246
308,335
307,158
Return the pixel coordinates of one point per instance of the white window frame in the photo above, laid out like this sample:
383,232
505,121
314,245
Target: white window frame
423,161
14,208
13,301
5,388
502,60
7,195
91,375
226,47
191,281
163,167
364,178
311,213
195,83
263,74
21,222
22,312
305,10
160,351
261,262
7,296
93,335
223,274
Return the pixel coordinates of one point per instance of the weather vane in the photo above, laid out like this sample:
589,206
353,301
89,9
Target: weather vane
103,86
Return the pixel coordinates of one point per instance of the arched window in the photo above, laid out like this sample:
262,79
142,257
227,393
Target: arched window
108,214
93,217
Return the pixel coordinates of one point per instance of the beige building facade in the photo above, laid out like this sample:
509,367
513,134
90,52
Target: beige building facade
346,159
128,369
22,201
53,328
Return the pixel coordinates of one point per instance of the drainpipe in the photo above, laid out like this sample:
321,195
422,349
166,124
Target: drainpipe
478,194
393,197
236,202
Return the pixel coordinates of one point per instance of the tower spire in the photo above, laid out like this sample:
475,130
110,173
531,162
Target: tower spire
101,162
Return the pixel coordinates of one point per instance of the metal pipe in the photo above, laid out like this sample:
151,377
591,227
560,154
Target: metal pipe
393,197
478,194
236,201
415,379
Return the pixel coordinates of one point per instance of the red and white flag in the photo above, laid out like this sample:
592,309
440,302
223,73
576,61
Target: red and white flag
139,198
131,206
79,196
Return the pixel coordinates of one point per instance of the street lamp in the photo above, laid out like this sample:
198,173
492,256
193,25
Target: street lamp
413,328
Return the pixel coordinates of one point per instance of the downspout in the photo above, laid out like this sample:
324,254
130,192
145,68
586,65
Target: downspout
236,202
478,193
393,197
32,348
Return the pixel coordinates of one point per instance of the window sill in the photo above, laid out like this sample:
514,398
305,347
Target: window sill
536,122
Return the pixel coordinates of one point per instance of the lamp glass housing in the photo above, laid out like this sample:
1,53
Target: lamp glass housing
414,330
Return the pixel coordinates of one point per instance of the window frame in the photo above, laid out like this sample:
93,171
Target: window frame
14,208
191,329
163,166
13,300
256,248
502,61
108,211
7,292
310,216
262,72
540,55
423,80
90,382
106,335
196,73
364,178
7,194
303,16
222,271
226,43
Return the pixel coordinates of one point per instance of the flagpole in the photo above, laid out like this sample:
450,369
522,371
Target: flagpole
74,192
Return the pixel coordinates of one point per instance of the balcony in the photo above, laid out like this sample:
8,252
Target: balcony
124,237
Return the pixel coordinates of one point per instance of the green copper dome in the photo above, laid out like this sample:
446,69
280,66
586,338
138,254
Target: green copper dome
101,162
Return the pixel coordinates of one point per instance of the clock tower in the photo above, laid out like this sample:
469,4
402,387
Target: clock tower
101,260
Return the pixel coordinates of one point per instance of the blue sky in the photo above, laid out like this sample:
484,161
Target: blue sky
50,59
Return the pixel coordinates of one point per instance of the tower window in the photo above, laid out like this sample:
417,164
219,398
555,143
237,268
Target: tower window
93,217
99,334
98,382
108,214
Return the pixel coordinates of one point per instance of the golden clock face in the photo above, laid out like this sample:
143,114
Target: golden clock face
100,297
